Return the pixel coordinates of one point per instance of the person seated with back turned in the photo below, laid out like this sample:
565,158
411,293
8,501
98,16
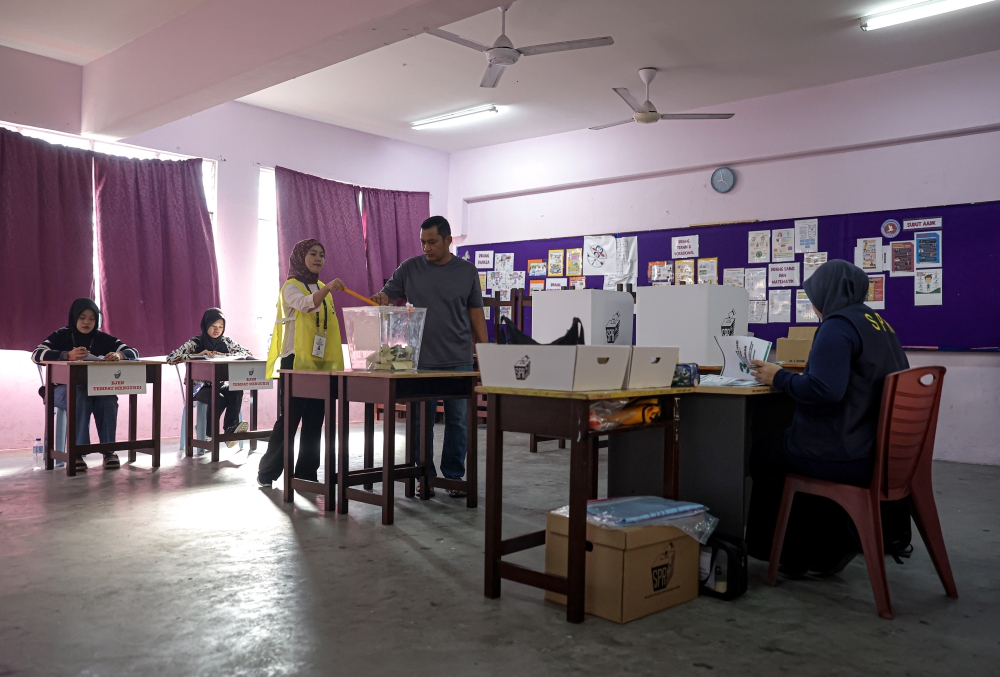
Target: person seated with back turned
79,340
448,287
832,436
212,342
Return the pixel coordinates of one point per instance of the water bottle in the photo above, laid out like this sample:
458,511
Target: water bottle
38,451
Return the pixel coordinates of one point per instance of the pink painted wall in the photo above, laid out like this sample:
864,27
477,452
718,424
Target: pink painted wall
238,136
40,92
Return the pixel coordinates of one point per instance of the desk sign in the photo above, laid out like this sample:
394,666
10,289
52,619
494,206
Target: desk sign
116,378
249,376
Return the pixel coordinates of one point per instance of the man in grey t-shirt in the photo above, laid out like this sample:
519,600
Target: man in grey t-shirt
448,287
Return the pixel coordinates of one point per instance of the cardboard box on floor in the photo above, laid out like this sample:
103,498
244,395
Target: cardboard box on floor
795,349
631,572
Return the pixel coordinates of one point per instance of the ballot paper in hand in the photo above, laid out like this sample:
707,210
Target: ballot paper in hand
738,352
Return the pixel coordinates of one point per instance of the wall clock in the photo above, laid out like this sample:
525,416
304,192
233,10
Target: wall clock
723,179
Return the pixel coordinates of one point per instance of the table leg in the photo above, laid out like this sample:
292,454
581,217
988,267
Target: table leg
593,452
214,414
157,414
133,420
580,456
428,410
289,495
343,447
49,416
412,438
369,449
389,455
71,423
672,454
331,479
253,418
189,409
494,496
472,450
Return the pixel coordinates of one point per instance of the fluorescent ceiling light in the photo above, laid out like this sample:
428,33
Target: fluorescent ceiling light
919,11
463,115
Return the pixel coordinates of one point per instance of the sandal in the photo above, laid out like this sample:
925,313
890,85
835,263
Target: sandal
111,462
81,465
457,493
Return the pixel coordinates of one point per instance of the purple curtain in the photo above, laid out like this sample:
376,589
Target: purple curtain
46,236
392,230
156,251
311,207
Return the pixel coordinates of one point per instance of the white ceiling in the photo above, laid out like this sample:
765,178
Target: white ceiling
709,52
80,31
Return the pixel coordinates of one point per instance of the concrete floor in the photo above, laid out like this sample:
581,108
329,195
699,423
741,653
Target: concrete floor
193,571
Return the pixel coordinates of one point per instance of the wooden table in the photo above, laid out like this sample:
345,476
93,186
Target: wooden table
73,374
317,385
566,415
718,429
215,372
416,389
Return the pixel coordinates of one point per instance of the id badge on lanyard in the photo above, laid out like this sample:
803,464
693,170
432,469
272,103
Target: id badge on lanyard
319,342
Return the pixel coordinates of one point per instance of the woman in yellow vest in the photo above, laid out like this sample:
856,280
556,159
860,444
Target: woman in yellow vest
306,336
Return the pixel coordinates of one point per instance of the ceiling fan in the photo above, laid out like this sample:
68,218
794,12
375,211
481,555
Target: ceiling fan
646,113
503,53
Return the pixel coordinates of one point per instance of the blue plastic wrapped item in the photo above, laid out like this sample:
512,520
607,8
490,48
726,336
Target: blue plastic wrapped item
641,511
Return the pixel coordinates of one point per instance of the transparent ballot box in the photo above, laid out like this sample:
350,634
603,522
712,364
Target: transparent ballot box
384,338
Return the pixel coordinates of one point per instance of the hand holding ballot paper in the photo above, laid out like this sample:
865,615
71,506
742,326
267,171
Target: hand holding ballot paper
741,355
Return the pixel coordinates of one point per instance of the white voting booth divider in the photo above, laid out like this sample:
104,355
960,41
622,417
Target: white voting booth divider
689,317
606,315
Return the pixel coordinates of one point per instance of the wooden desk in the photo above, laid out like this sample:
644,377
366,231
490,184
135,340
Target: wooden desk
73,374
565,415
214,372
718,429
317,385
412,388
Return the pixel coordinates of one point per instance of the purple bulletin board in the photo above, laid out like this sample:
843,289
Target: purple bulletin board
970,254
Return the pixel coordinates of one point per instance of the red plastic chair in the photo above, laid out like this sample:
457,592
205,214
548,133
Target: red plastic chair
903,452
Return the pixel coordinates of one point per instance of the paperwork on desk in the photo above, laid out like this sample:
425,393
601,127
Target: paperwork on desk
717,380
737,354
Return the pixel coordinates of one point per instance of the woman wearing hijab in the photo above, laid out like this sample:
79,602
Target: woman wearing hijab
307,337
212,342
832,436
81,339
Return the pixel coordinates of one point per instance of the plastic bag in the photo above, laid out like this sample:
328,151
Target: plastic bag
641,511
602,414
613,413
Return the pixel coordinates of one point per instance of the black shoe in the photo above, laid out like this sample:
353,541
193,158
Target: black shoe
792,572
81,465
240,427
833,568
262,483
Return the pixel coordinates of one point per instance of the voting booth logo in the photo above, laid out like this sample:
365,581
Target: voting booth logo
613,327
522,368
663,569
729,323
118,374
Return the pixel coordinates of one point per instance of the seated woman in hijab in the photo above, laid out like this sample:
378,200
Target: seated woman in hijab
212,342
832,436
81,339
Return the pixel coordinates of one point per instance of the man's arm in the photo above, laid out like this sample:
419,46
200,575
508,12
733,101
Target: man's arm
393,289
478,319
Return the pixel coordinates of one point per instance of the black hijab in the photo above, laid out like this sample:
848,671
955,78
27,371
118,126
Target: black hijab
75,310
217,345
835,285
297,268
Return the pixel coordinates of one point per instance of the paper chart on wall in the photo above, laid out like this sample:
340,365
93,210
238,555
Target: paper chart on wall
506,311
627,267
600,255
733,277
901,259
555,283
928,249
537,268
482,282
738,352
806,236
517,279
684,247
756,283
783,274
779,305
708,271
810,262
574,262
490,280
684,272
503,262
578,282
758,312
556,262
928,287
804,311
536,285
505,294
759,246
484,259
868,254
783,244
876,292
661,272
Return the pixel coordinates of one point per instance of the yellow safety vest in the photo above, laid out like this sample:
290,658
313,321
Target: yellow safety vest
306,330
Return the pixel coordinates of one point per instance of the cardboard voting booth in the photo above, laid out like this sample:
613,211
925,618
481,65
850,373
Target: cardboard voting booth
553,367
606,315
689,317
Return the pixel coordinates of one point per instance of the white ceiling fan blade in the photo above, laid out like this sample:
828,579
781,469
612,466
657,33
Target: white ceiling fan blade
614,124
458,39
492,75
565,46
630,100
696,116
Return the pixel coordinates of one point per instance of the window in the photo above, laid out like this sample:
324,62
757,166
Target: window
266,278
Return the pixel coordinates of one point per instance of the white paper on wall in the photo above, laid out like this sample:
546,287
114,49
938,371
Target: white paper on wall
928,287
484,259
868,254
783,274
804,311
555,283
810,262
759,246
756,283
806,235
876,292
780,305
734,277
503,262
684,247
758,312
600,255
783,244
